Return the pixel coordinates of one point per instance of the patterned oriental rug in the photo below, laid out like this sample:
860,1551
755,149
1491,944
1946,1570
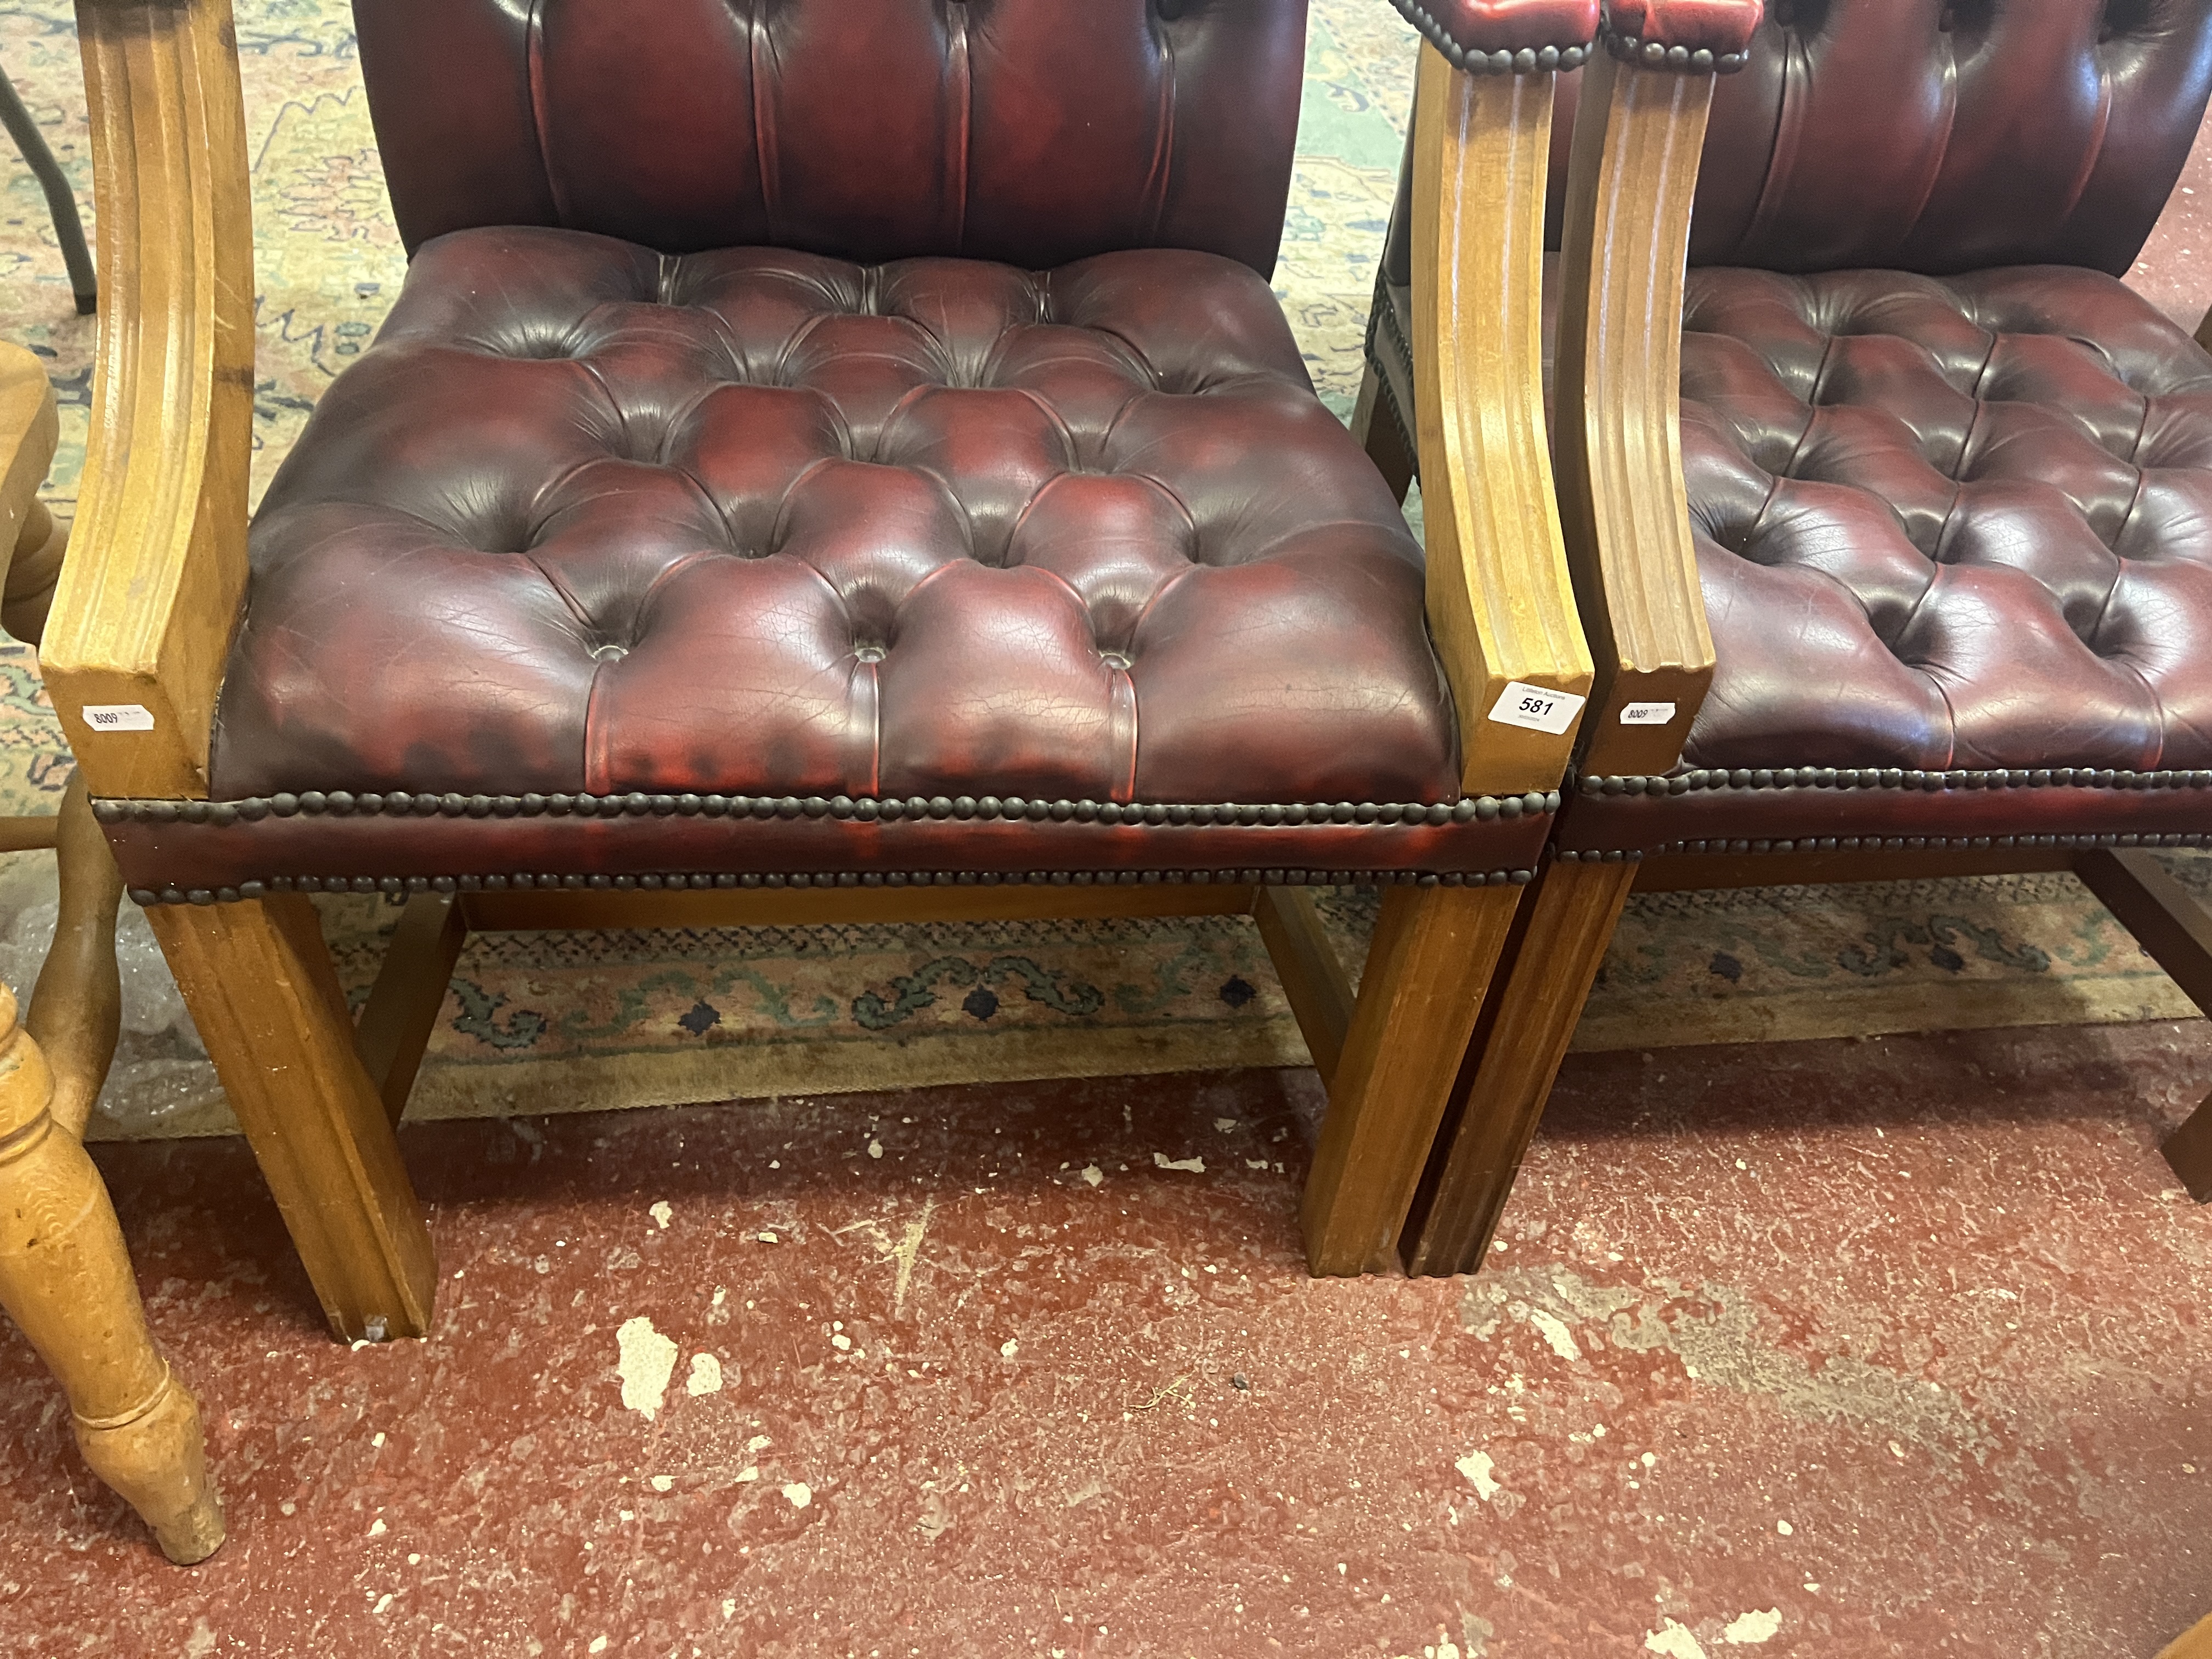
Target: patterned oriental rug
539,1022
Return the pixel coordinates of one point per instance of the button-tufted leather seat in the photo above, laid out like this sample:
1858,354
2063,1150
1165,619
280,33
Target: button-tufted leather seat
1984,505
639,556
1952,517
761,522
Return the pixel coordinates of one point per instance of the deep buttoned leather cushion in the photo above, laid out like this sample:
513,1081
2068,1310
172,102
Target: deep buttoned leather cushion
593,521
1955,537
1036,131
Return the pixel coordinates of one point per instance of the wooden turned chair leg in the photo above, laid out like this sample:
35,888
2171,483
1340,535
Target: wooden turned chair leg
1379,434
76,1012
259,984
41,547
66,1279
1509,1072
1427,970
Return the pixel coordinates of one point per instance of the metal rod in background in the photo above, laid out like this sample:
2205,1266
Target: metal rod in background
61,200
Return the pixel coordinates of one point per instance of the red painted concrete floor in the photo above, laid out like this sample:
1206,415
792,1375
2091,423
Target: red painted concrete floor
1891,1346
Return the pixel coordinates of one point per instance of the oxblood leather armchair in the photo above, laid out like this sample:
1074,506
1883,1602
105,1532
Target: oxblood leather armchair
834,458
1933,592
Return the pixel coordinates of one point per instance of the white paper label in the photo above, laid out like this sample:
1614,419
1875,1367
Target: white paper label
1536,709
118,717
1647,713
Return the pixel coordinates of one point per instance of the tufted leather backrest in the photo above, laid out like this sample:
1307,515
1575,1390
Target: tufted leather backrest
1945,135
1029,131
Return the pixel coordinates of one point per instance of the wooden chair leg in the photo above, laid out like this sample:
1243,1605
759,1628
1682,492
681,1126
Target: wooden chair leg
402,1012
1313,979
1427,969
1510,1071
2175,931
41,547
260,986
1379,433
66,1279
76,1012
2188,1152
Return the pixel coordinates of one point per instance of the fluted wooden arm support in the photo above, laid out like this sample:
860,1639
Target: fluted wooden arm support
1501,606
1618,380
143,614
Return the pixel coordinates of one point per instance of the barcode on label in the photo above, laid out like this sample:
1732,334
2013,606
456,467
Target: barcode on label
1536,708
1647,713
118,717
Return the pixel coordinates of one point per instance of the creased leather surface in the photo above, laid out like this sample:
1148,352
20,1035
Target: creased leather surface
1031,131
1721,26
1957,524
1942,525
587,518
1942,136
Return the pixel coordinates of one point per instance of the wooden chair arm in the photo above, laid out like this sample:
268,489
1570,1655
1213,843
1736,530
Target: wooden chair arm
1617,390
141,619
1501,607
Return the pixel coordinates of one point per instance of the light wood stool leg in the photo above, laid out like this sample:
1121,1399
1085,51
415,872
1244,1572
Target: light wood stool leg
65,1278
1427,970
259,984
75,1012
41,547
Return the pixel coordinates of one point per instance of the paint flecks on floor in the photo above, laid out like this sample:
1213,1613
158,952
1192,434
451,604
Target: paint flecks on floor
1675,1641
1477,1467
647,1361
1185,1457
1754,1627
1556,1332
